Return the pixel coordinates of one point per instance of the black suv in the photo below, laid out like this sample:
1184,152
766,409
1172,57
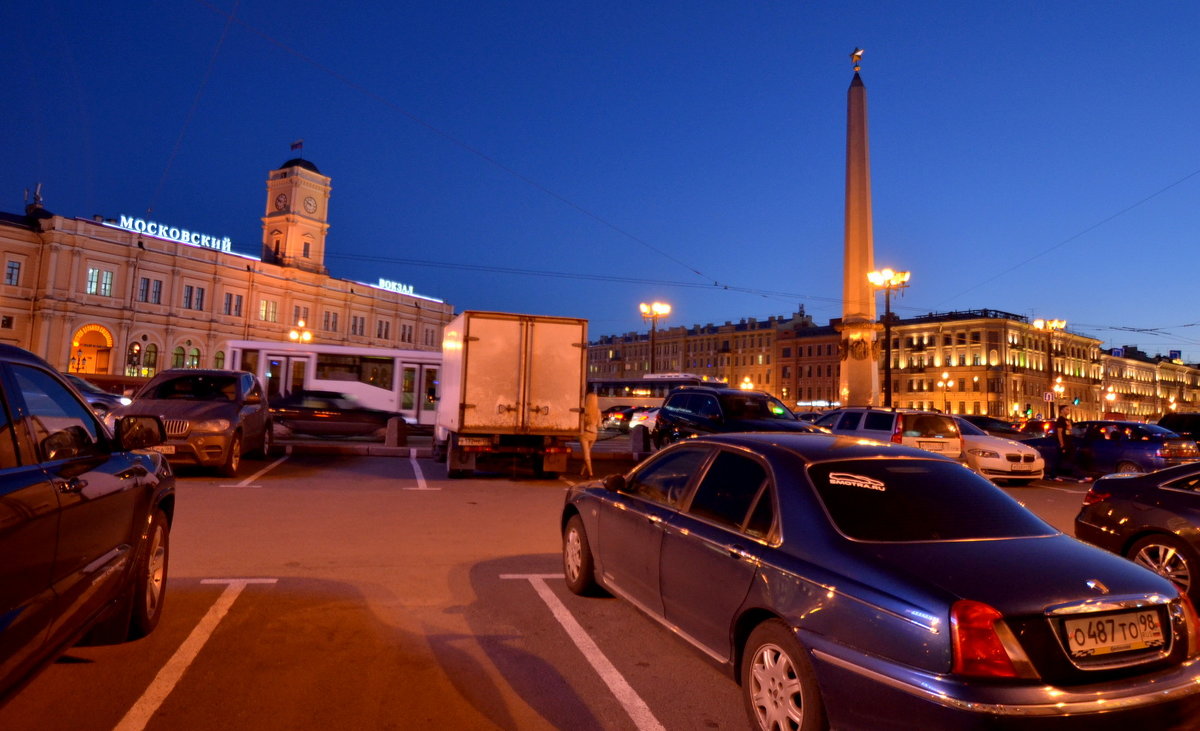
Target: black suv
85,515
694,410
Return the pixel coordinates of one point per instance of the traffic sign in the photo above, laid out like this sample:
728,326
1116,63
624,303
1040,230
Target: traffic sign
1048,396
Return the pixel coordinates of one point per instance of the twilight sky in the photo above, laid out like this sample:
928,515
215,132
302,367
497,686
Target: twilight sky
565,158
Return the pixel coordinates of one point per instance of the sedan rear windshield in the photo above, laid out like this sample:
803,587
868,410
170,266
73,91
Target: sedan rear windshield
918,500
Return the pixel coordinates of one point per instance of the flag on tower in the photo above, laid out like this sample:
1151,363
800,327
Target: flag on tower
298,145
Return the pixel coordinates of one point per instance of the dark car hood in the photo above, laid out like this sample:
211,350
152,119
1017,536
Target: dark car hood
1016,575
767,425
181,409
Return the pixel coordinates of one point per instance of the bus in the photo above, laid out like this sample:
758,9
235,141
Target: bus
405,381
648,390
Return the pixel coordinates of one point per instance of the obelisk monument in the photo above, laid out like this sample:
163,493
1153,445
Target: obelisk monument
859,381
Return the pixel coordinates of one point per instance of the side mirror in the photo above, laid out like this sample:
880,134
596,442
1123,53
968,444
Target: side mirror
140,432
614,483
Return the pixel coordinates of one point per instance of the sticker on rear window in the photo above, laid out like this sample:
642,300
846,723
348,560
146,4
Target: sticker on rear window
849,480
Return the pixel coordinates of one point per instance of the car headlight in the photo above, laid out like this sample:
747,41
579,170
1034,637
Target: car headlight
213,426
984,453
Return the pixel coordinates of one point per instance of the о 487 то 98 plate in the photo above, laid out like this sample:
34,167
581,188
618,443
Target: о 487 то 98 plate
1114,633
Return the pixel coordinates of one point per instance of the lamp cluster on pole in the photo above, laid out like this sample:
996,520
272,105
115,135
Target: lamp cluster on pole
652,312
299,334
887,280
1056,385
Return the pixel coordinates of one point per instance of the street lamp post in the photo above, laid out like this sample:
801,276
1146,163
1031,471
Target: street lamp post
887,280
1055,385
945,384
652,312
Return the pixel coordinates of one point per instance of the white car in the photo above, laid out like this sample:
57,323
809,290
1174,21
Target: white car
999,459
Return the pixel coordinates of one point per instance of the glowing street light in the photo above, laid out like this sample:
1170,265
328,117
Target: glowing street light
299,334
945,384
887,280
746,384
652,312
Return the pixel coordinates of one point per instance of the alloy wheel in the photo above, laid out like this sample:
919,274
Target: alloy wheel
1166,561
776,689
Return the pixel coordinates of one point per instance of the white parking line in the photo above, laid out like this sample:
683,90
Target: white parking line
420,476
141,712
624,693
246,482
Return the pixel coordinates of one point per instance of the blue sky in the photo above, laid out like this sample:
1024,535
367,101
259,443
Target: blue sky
1041,158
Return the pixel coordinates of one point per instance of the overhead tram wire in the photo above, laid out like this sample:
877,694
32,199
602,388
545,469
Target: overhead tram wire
790,296
212,61
1069,239
456,141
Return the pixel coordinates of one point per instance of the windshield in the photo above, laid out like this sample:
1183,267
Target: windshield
967,427
194,388
754,406
918,500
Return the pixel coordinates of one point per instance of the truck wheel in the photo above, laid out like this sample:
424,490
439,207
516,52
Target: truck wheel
451,472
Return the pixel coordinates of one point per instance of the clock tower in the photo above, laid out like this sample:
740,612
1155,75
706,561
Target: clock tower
296,219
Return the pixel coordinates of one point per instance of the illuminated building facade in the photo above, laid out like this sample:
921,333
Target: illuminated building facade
967,362
127,297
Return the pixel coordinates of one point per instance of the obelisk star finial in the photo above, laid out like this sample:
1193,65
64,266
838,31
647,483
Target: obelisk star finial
856,58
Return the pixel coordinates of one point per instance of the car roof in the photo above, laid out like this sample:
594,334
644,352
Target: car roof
720,390
17,354
200,372
816,447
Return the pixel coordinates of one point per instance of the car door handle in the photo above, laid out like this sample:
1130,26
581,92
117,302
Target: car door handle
73,485
739,553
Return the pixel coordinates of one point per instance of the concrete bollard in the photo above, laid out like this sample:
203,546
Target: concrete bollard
397,433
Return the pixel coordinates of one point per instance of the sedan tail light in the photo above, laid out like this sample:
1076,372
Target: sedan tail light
978,648
1094,496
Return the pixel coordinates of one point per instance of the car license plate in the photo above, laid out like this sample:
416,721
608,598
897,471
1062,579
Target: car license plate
1022,468
474,441
932,446
1114,633
164,448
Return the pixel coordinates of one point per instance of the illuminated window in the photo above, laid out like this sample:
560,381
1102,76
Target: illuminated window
268,310
99,281
219,359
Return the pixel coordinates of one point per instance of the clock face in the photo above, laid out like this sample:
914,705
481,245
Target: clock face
281,201
310,204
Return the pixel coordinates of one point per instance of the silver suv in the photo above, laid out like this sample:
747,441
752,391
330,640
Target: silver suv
928,430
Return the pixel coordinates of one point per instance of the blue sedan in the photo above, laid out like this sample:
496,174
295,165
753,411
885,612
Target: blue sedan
820,571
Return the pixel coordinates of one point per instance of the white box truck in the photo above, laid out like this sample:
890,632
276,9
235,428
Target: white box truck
512,386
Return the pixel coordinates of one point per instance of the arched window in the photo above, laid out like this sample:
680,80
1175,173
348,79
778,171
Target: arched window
150,360
219,359
193,358
177,357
